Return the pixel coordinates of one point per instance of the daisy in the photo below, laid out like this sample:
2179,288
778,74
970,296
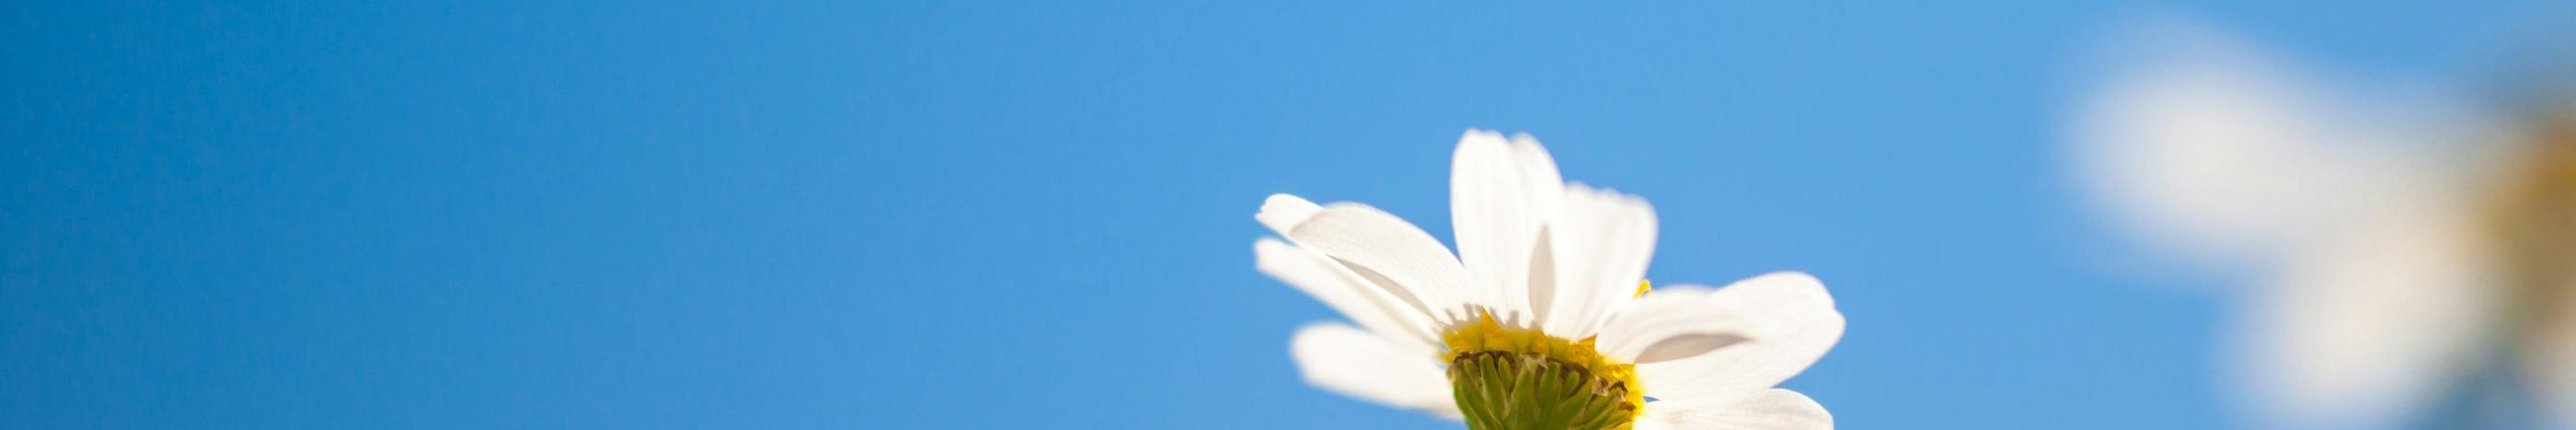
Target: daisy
1543,319
2399,247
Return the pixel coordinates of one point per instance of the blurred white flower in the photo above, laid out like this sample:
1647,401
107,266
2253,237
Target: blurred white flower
1542,320
2365,213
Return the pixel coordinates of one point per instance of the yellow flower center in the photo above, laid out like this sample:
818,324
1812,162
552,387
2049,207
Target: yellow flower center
1515,378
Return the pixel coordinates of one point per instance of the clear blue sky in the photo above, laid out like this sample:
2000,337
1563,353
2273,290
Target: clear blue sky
792,215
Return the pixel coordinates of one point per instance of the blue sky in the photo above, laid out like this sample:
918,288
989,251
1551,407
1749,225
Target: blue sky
922,215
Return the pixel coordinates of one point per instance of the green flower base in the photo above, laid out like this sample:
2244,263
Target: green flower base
1501,390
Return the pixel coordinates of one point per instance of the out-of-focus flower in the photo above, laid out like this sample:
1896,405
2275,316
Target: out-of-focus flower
2400,243
2534,219
1543,319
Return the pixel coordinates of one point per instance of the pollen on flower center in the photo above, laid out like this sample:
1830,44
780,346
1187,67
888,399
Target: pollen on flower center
1515,378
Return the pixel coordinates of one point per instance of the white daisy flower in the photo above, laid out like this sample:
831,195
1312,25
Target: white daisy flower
2400,244
1543,319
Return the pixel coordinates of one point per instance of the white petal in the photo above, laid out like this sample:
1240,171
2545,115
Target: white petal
1773,409
1668,325
1602,241
1499,194
2223,154
1790,323
2371,327
1385,249
1281,212
1336,286
1354,363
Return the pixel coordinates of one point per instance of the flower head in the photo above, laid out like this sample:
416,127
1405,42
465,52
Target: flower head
2402,250
1543,318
